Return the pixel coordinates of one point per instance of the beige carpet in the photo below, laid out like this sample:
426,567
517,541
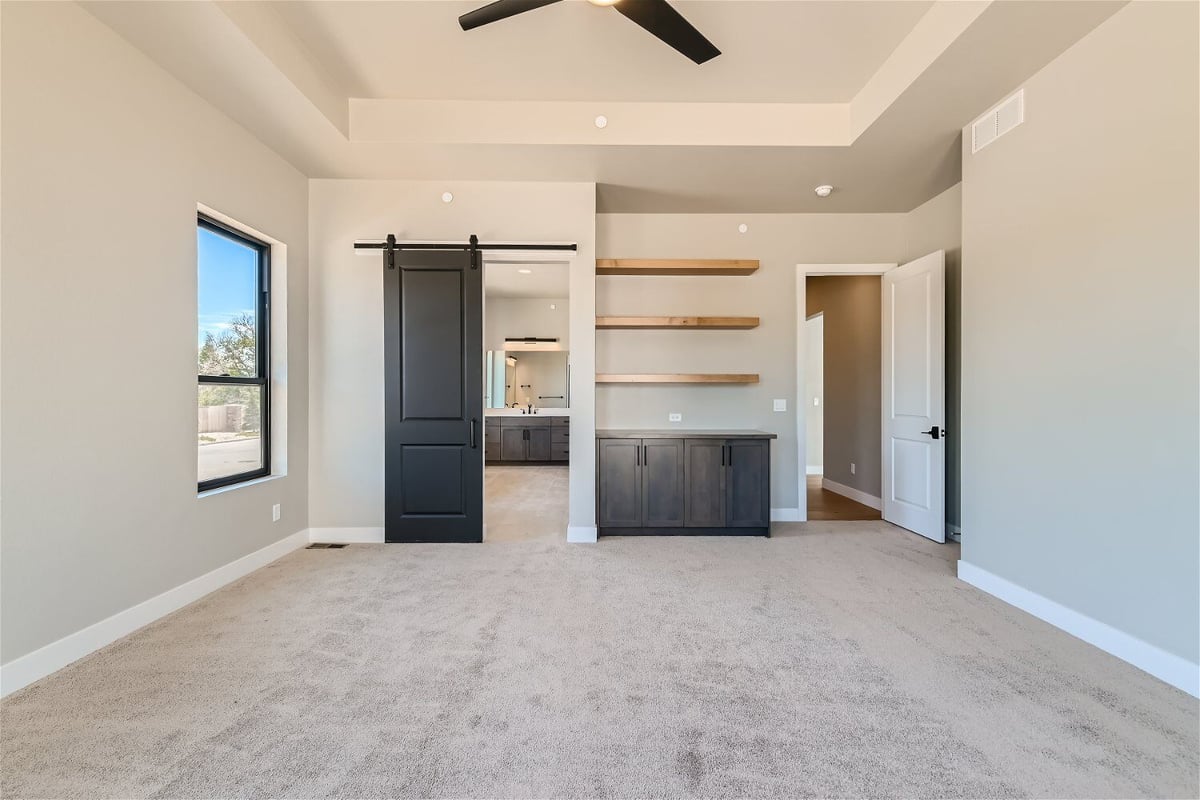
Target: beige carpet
839,659
525,503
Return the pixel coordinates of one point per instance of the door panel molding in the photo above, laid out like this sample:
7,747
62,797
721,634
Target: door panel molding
433,398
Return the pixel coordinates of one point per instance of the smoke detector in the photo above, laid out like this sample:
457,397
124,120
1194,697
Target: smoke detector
824,190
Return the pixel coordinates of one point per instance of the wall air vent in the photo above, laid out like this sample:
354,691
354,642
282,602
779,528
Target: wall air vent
997,122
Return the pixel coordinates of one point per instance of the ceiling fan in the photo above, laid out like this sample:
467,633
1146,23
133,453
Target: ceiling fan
656,16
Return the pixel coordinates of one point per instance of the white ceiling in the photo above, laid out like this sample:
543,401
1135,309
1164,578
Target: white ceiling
772,51
868,96
545,280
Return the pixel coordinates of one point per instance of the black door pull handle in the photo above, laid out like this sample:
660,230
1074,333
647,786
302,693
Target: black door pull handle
935,432
474,446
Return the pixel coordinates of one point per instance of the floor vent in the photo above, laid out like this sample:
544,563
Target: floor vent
324,546
997,122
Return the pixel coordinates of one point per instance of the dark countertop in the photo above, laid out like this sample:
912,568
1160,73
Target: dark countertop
677,433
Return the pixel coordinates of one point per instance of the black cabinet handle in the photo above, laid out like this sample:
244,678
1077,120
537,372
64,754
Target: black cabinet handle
637,455
722,455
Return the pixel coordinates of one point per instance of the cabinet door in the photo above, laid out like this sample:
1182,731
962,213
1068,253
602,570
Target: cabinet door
662,483
748,483
619,496
512,444
704,487
539,444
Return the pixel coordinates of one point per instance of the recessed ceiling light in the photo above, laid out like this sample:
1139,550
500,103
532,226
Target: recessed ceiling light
447,197
604,2
743,228
601,121
553,307
824,190
525,271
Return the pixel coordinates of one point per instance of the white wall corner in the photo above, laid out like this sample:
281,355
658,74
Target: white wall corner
814,469
23,671
854,494
346,535
785,515
581,534
1168,667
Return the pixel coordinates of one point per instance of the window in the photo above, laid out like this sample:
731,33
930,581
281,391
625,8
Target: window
233,402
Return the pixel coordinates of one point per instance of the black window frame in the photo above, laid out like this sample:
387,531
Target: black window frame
262,377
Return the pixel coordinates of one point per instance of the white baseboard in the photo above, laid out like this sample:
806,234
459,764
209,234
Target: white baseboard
785,515
346,535
953,532
581,534
21,672
854,494
814,469
1168,667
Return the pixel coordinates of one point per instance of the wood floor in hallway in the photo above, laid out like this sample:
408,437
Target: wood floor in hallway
826,505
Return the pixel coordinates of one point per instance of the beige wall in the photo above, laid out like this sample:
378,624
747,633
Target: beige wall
851,305
1081,272
780,242
526,316
937,225
105,157
346,487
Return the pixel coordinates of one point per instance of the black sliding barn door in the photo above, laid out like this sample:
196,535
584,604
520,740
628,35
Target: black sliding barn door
433,316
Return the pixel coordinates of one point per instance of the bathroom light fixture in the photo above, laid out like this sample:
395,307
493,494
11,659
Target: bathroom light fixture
447,197
525,271
603,3
601,121
824,190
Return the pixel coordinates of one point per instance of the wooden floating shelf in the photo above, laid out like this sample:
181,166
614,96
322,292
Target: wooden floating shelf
675,266
643,377
676,323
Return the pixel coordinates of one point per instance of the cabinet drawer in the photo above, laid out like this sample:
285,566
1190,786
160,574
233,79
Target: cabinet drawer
560,422
491,450
560,452
525,421
560,435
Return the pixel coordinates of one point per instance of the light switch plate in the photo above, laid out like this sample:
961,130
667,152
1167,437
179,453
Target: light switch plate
275,513
781,405
674,417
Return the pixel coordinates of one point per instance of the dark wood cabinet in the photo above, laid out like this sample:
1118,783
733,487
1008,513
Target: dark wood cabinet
620,479
527,438
704,461
662,483
747,483
537,444
700,483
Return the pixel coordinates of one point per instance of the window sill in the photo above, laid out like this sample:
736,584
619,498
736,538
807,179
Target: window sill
235,486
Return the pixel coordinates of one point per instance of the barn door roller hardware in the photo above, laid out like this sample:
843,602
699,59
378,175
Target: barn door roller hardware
390,247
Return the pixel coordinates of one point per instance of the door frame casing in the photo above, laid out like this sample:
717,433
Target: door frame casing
581,384
803,272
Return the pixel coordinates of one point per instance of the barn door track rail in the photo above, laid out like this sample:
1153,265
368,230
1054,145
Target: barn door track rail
390,247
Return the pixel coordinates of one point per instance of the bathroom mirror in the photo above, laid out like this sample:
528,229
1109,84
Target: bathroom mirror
520,378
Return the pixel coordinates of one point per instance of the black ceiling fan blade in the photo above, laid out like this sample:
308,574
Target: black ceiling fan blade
501,9
660,19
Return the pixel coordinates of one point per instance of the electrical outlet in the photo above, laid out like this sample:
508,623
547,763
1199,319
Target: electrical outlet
851,467
275,513
781,405
673,417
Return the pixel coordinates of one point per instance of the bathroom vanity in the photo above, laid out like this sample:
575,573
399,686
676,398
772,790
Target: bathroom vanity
676,482
513,437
